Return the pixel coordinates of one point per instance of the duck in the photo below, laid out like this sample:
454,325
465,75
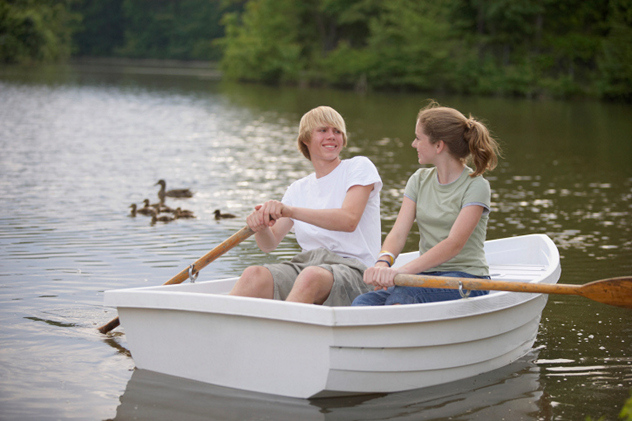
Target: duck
147,203
159,207
183,213
155,218
142,211
220,215
145,210
179,193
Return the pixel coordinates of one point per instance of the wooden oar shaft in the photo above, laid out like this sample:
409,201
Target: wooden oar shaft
199,264
612,291
482,284
203,261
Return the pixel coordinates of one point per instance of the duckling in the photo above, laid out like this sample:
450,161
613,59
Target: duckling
136,211
161,207
180,193
219,215
183,213
148,204
145,210
155,218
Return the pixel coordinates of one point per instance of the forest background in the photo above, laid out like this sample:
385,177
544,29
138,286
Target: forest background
524,48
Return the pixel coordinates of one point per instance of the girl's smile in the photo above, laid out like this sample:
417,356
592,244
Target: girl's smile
426,151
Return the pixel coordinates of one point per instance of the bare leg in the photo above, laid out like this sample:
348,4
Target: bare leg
312,286
255,281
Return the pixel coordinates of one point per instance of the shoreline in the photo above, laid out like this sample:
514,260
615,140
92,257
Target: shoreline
201,69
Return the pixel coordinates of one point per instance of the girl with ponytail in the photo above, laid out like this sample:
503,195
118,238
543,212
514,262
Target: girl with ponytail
450,202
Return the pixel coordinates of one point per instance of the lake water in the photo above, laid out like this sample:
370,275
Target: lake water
79,144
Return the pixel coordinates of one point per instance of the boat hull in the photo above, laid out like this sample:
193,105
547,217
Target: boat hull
198,332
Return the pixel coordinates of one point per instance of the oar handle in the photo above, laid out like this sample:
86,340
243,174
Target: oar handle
199,264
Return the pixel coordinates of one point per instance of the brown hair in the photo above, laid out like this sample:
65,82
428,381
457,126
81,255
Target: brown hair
466,138
318,117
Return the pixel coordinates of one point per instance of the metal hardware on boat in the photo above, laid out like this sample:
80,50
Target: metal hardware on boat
193,274
461,293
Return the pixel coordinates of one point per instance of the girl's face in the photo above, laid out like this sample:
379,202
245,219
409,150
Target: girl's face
426,151
326,143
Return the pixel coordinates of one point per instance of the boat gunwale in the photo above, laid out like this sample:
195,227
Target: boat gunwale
171,297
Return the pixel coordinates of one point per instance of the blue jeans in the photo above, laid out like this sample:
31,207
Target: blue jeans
415,295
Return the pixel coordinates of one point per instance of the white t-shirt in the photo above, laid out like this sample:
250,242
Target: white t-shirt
329,192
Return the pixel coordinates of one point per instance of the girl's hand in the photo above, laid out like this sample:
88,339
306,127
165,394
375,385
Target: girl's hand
380,275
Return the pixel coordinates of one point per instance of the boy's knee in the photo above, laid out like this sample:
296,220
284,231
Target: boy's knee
312,285
314,275
255,281
254,272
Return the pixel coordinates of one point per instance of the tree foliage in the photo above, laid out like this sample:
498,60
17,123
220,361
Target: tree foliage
501,47
102,29
171,29
263,42
36,30
158,29
527,48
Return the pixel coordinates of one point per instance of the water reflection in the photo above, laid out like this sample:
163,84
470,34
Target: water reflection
80,145
513,390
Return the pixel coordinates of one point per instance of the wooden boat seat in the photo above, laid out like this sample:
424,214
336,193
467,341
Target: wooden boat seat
516,273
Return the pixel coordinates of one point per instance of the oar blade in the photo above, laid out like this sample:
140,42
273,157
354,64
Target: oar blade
613,291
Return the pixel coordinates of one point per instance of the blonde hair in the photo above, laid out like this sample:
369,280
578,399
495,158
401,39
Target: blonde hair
466,138
319,117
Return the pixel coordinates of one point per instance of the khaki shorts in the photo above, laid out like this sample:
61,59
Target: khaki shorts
348,282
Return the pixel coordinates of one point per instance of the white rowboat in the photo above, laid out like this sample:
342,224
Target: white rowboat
196,331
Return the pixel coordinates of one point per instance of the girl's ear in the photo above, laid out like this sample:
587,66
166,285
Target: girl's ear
440,146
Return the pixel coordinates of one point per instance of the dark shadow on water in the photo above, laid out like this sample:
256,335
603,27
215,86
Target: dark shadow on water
512,392
118,347
52,322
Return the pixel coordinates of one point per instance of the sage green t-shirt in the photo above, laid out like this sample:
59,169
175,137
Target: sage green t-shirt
438,206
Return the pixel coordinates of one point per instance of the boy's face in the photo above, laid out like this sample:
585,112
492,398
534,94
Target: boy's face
326,143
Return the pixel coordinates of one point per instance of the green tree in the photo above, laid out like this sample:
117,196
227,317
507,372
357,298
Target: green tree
36,30
292,40
412,46
616,62
262,44
102,28
171,29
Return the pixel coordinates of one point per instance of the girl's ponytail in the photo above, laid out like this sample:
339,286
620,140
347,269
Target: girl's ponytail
484,150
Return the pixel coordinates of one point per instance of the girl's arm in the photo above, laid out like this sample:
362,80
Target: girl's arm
396,239
394,242
445,250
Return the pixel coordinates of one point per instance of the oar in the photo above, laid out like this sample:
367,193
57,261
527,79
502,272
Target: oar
612,291
228,244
